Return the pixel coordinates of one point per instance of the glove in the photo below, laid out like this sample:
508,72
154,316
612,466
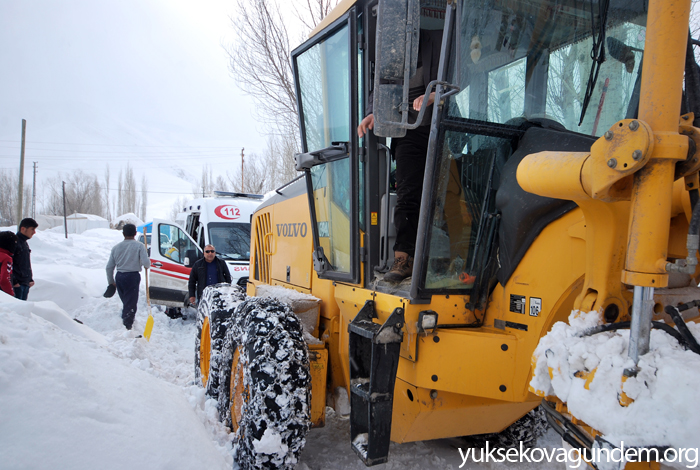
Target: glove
111,289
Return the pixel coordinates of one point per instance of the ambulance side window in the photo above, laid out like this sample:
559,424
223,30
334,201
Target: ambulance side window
174,243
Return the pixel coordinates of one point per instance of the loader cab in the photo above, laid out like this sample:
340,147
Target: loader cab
515,78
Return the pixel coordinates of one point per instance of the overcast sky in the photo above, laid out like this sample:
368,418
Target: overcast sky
121,81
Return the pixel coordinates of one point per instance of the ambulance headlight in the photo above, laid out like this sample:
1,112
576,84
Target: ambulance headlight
427,321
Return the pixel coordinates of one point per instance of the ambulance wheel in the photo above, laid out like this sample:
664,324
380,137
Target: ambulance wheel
213,314
265,385
527,430
173,312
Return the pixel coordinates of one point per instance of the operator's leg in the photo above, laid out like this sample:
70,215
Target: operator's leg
410,153
128,289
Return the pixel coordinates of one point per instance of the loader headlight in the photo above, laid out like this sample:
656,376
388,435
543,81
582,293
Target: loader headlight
427,321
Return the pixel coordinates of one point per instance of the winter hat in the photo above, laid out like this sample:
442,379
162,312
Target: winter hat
8,241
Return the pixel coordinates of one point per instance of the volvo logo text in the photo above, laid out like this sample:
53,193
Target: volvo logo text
291,230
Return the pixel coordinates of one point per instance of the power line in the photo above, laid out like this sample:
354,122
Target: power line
125,157
186,151
121,145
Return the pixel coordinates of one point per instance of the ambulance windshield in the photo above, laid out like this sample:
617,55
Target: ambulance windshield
232,241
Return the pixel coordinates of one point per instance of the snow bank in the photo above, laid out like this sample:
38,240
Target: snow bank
305,306
92,396
69,403
129,218
665,410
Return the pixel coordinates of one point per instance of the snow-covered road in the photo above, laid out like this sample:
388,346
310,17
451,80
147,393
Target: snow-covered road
92,396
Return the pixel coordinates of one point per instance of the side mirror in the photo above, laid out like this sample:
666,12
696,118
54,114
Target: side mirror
398,30
190,258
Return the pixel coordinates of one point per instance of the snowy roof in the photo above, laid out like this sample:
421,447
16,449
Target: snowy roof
129,218
77,215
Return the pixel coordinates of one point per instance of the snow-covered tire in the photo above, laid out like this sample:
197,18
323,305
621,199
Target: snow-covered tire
527,430
213,314
265,379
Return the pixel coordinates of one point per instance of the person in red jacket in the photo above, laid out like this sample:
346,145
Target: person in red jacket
8,244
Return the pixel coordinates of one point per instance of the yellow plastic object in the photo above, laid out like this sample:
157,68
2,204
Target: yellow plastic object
622,397
149,326
204,351
149,322
318,362
237,391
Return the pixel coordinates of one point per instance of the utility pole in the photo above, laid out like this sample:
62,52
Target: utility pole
21,174
242,158
65,221
34,193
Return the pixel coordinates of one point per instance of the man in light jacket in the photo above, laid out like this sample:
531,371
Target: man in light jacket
128,257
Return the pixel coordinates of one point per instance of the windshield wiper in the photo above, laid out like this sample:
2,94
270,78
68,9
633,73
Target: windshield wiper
597,52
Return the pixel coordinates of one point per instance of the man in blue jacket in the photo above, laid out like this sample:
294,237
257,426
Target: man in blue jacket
207,271
22,278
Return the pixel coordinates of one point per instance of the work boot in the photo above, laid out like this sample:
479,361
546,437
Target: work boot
401,269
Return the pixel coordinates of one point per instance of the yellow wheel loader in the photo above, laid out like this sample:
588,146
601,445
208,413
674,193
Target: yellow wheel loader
561,175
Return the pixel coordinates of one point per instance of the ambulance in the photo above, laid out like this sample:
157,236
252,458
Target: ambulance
222,221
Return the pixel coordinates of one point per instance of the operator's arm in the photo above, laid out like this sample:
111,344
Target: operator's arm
418,102
143,257
366,124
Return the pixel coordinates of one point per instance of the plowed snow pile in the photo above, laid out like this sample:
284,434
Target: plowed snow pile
665,411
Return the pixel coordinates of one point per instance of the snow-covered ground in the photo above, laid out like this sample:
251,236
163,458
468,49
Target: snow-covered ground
87,396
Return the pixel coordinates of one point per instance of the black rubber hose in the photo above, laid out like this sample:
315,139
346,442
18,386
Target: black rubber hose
623,325
694,228
568,425
694,198
692,81
683,328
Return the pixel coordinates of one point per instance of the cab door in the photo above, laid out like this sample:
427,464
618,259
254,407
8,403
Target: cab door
170,263
326,77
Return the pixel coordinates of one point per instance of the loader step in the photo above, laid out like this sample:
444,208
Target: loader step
374,358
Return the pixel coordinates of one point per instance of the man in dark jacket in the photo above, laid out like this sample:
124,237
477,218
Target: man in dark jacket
410,153
207,271
22,278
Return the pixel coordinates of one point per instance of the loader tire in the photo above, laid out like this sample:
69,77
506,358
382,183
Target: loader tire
265,385
213,314
527,430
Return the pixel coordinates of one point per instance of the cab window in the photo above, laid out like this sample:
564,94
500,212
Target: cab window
174,243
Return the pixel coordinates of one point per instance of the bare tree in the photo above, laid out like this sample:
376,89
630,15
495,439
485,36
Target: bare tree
260,57
83,194
311,12
129,197
144,197
270,170
220,184
9,182
107,211
260,62
177,207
